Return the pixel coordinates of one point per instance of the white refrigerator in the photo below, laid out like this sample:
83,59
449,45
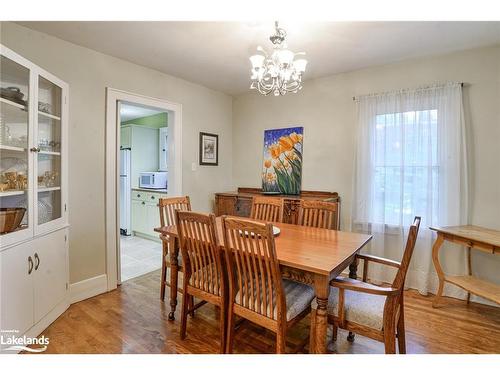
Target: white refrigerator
125,191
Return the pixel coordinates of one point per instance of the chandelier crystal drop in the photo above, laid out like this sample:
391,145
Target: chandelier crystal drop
278,72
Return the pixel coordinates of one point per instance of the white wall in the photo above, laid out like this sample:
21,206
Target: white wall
88,73
326,110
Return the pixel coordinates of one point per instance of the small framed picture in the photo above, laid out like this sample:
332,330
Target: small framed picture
209,149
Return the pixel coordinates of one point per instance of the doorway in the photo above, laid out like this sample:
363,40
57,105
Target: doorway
135,128
143,156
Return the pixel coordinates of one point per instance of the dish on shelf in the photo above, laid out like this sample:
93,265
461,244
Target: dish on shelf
11,218
44,107
13,165
13,94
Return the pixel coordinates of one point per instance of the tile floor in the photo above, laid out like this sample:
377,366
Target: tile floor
138,256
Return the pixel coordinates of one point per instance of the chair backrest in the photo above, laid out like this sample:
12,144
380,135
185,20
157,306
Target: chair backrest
201,255
267,209
168,207
399,280
319,214
253,267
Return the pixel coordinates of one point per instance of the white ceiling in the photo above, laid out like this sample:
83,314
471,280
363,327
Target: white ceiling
132,112
215,54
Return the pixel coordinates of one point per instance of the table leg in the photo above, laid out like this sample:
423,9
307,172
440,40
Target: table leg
353,274
174,271
319,324
437,265
163,282
469,268
353,269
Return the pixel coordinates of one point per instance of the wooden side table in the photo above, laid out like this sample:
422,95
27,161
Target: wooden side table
481,239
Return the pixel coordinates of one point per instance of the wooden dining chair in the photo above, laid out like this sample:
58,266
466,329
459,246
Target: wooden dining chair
256,290
203,262
267,209
168,206
319,214
369,310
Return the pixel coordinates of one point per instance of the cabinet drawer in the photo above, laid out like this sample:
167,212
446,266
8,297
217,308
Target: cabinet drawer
146,196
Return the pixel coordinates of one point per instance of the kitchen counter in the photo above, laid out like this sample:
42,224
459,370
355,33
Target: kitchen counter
163,191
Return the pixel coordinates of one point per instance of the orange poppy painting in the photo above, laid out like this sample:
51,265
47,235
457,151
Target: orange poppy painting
282,166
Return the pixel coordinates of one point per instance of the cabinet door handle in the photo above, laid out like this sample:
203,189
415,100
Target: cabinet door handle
143,202
35,149
37,261
138,195
30,265
152,197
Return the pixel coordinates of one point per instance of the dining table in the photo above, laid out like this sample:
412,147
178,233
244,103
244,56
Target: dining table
309,255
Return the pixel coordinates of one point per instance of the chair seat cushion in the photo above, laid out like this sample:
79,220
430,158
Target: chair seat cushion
362,308
207,279
298,298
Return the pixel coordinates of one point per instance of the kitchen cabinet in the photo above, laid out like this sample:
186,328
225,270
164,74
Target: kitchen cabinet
145,213
33,177
49,275
33,281
16,288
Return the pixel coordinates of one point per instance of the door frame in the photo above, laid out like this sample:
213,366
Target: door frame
112,204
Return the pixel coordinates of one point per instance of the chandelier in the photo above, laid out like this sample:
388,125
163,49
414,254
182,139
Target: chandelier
277,73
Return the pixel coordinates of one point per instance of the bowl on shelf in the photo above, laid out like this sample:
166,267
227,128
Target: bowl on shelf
10,218
11,93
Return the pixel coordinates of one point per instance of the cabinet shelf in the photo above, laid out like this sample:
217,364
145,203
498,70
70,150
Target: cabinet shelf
12,148
10,102
48,115
50,153
45,189
10,193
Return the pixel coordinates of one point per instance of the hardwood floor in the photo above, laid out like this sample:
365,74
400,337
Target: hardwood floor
132,319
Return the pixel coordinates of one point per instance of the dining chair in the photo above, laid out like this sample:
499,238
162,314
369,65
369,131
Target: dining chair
203,262
267,209
168,206
256,290
319,214
373,311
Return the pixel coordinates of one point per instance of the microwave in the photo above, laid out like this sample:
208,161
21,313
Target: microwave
153,180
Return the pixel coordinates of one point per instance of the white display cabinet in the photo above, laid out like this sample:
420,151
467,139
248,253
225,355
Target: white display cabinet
33,176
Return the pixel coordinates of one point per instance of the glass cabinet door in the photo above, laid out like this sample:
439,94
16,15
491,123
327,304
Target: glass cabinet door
48,152
15,158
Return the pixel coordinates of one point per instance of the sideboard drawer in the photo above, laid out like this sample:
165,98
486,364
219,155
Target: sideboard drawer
243,206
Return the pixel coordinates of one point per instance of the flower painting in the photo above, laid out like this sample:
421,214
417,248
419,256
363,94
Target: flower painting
282,167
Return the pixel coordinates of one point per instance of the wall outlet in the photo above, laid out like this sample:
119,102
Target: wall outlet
193,166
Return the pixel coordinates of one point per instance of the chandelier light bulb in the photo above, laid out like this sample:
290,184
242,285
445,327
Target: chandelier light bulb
257,61
300,65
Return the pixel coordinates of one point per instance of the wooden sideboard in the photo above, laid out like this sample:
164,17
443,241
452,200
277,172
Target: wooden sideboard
239,203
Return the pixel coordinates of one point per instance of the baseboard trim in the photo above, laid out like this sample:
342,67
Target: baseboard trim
88,288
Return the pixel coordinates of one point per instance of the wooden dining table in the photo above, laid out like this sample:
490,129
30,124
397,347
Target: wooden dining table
312,256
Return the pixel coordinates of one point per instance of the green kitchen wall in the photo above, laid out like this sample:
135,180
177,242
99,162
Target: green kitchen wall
154,121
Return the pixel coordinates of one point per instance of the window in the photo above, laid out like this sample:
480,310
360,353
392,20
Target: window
405,167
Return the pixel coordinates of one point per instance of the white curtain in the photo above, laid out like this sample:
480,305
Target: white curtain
410,161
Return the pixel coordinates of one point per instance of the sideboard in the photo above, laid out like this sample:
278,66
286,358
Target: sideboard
239,203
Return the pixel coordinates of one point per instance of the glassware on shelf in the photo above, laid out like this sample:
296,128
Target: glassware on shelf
48,179
44,107
45,213
13,180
